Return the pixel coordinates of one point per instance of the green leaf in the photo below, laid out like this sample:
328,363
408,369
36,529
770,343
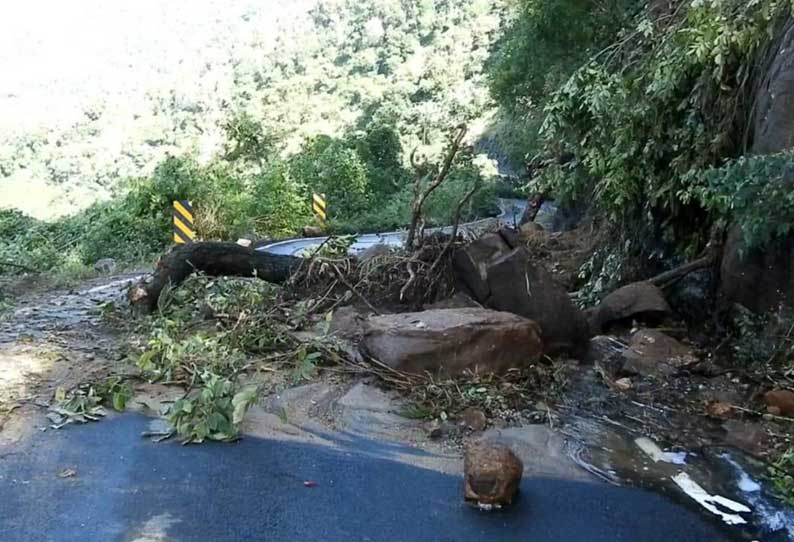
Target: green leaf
241,402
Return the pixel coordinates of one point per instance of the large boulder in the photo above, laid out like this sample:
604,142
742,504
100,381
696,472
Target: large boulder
774,105
762,279
451,341
637,301
471,263
507,280
519,286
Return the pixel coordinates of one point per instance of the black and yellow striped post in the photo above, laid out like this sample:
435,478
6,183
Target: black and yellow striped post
184,230
319,207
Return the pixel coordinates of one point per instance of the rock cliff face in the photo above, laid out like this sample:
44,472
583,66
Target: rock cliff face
763,279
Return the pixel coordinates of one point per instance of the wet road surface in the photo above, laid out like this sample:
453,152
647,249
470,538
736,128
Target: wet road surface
127,488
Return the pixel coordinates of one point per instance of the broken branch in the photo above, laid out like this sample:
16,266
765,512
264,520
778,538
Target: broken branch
420,198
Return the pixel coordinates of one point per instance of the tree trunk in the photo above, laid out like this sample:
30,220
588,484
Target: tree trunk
215,259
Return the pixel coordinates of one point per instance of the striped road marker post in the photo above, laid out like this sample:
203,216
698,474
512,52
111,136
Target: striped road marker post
184,230
319,207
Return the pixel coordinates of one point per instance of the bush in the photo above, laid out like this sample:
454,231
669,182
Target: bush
329,166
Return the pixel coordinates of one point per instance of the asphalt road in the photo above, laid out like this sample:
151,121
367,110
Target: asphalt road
511,212
127,488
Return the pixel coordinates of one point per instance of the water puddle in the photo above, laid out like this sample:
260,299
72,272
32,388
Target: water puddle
722,483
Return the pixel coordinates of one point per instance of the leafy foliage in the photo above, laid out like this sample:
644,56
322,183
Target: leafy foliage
214,413
782,479
538,51
757,192
207,335
663,101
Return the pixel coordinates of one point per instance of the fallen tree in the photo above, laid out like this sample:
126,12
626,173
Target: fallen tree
215,259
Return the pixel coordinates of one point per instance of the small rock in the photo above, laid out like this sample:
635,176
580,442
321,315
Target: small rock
745,436
773,410
652,353
347,323
312,231
439,430
492,474
244,243
474,419
623,384
780,400
717,409
375,251
105,265
67,473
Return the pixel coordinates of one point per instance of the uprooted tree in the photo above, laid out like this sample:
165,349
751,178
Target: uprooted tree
214,259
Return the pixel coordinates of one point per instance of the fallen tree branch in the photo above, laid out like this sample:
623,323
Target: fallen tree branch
214,259
17,266
455,226
353,290
419,201
669,277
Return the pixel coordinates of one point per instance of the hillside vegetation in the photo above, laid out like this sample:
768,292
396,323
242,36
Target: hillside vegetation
334,104
654,102
639,112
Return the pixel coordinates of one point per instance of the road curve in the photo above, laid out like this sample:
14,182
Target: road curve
511,212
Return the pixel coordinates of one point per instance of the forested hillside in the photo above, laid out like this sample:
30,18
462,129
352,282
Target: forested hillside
651,106
333,101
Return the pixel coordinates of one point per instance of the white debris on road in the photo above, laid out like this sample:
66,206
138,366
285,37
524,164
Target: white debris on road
713,503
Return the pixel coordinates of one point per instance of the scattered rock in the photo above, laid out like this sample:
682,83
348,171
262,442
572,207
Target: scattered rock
652,353
640,301
717,409
375,251
492,474
623,384
473,419
67,473
105,265
442,430
312,231
451,341
780,400
347,323
746,436
605,351
693,297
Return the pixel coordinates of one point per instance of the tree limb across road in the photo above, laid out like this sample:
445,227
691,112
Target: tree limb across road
215,259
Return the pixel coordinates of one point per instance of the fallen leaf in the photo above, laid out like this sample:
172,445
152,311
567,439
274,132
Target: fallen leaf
67,473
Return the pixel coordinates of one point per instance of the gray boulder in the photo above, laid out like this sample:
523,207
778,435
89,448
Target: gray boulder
507,280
